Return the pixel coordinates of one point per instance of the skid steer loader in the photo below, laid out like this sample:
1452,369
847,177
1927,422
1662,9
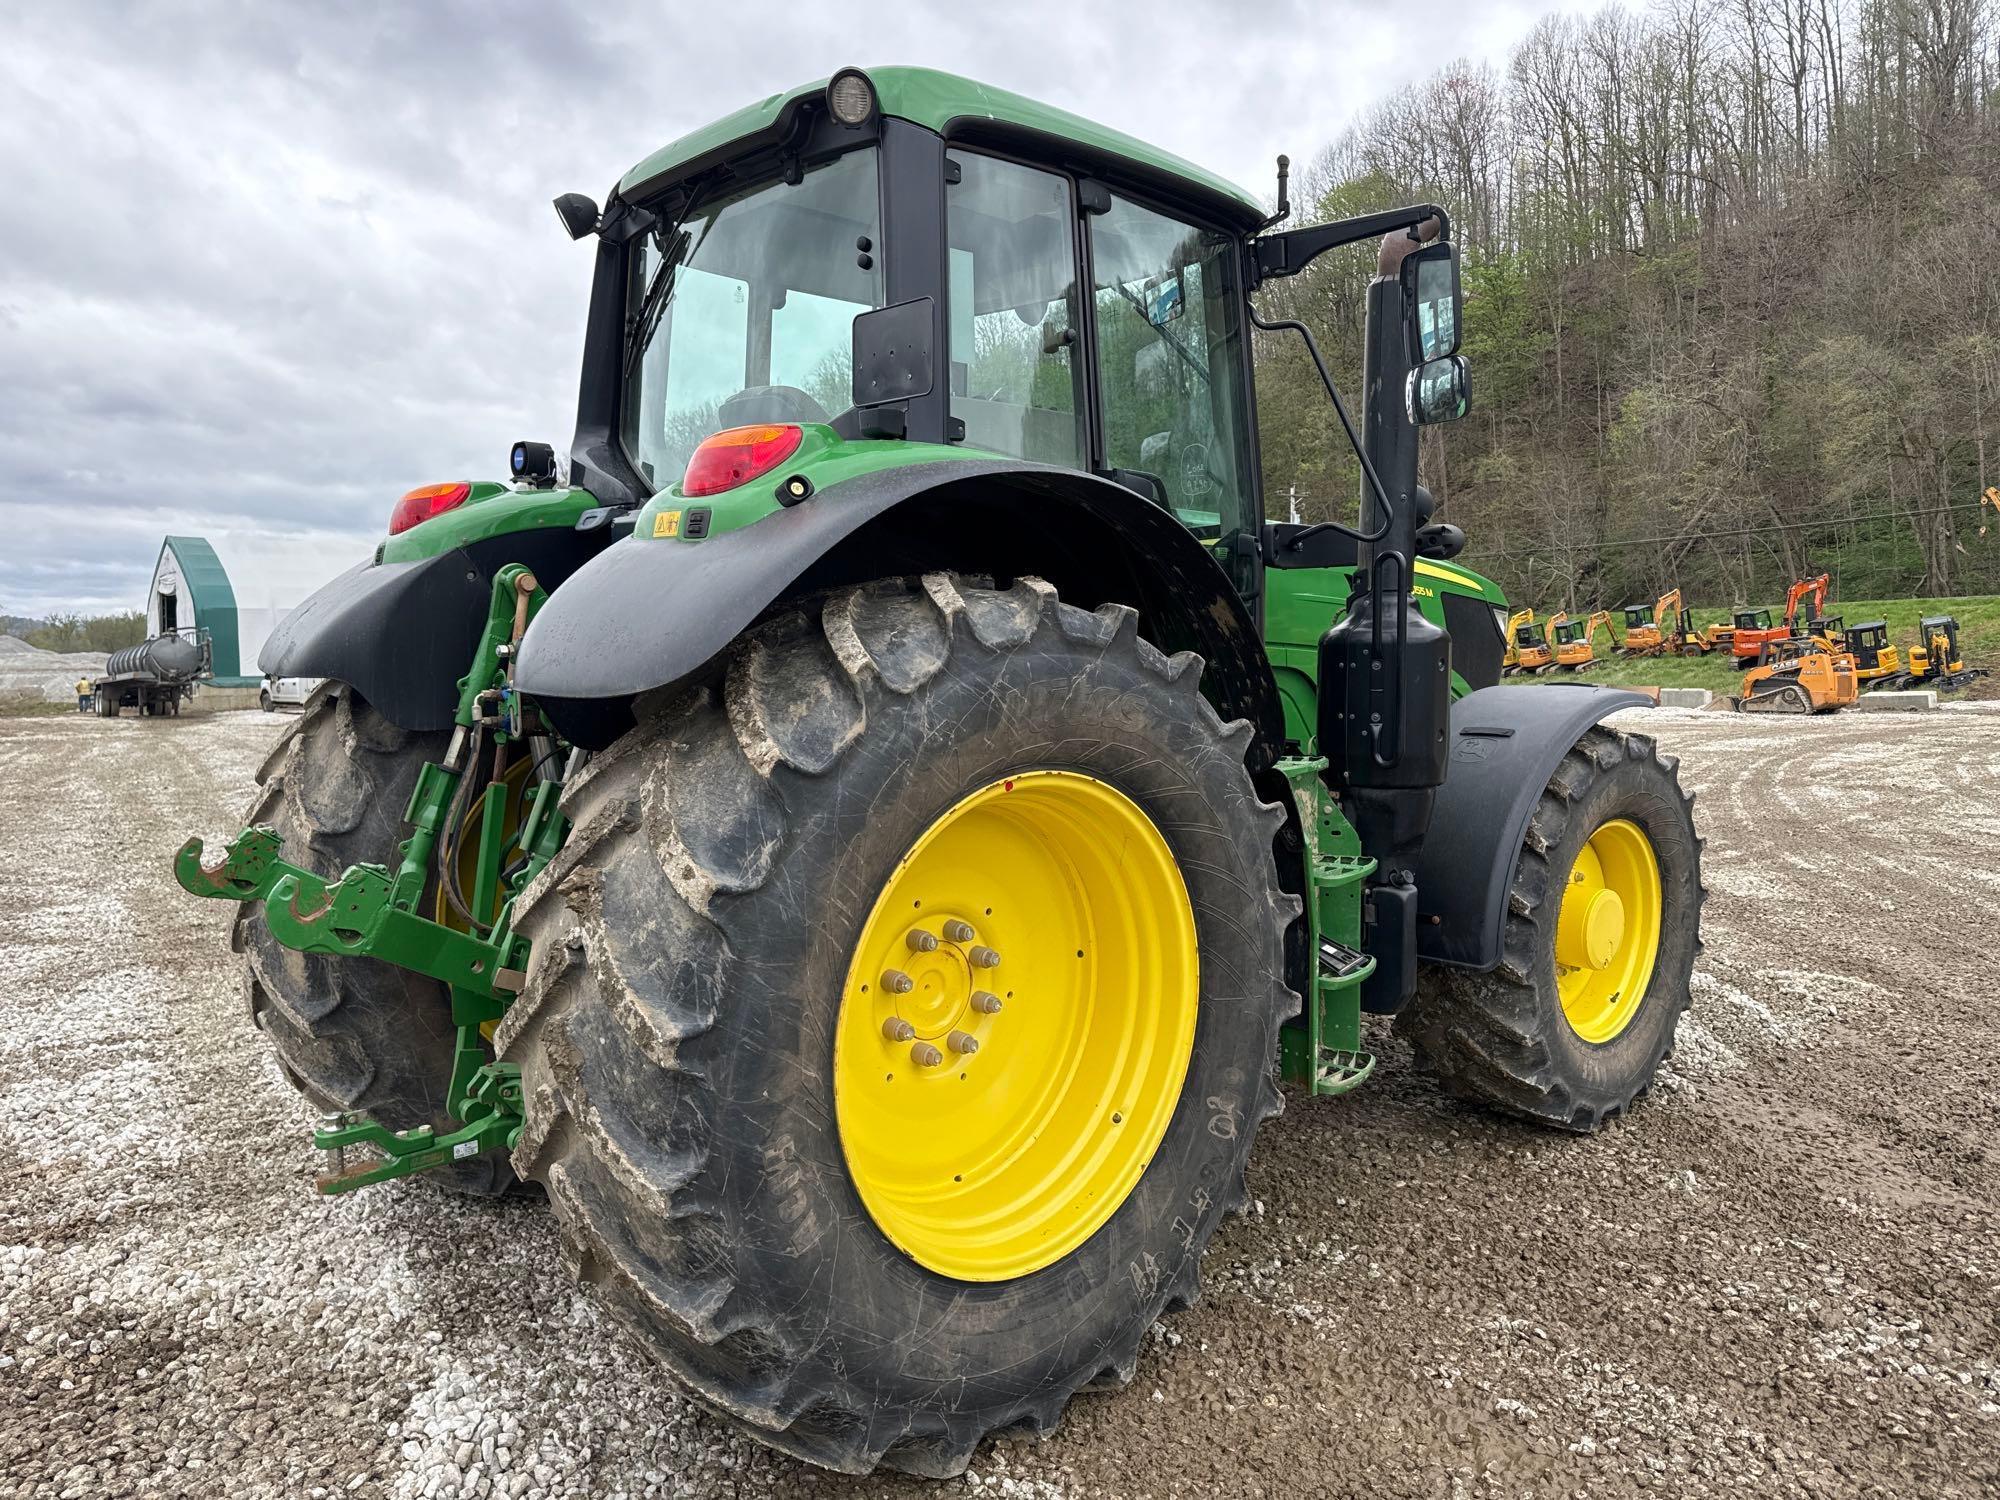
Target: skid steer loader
868,837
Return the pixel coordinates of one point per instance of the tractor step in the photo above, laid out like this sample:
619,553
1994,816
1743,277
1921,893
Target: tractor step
1338,961
1337,1071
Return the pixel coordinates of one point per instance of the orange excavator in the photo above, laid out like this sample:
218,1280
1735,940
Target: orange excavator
1646,634
1754,630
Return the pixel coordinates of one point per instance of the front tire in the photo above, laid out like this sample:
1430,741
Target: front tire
694,999
352,1034
1571,1027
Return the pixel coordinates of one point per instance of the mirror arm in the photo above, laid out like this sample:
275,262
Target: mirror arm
1289,253
1299,539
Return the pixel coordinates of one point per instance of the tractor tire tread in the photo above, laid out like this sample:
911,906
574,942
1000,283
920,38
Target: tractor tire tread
1486,1034
615,1039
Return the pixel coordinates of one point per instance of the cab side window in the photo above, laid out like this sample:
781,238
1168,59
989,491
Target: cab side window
1013,311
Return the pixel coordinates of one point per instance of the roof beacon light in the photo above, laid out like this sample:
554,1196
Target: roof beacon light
851,97
738,456
427,501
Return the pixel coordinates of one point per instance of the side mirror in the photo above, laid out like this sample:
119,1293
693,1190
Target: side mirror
578,213
1438,391
892,354
1430,287
1440,540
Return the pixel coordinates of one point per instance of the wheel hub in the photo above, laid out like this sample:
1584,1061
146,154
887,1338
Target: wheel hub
939,999
1591,930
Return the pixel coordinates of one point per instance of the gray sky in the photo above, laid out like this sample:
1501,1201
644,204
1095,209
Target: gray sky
266,265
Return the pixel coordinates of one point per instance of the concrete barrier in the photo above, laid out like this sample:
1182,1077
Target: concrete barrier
215,700
1685,697
1909,701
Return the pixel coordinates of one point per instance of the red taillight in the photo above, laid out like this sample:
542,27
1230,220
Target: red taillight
429,500
738,456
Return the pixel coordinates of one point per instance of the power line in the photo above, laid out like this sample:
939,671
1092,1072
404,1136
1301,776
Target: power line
1706,536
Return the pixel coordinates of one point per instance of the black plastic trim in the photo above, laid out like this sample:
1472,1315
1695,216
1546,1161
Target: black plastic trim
1506,743
649,615
403,633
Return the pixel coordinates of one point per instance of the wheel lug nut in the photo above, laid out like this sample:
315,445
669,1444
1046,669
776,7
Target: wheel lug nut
956,931
921,941
984,958
896,982
896,1029
962,1044
924,1055
986,1002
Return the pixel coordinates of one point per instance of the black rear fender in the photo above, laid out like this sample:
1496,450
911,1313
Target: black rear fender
403,633
648,615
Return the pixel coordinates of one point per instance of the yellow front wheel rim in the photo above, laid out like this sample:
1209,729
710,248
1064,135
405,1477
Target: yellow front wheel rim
1015,1025
1608,931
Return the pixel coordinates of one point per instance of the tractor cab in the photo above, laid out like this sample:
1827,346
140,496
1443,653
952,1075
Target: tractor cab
1752,619
1637,617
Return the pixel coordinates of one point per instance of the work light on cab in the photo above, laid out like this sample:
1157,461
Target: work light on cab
737,456
851,97
426,501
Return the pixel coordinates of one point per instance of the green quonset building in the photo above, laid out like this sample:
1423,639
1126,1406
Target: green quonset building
235,588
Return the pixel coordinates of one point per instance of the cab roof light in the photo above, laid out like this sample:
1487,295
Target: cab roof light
737,456
428,500
850,97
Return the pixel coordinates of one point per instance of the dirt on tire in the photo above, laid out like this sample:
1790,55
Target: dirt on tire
1775,1276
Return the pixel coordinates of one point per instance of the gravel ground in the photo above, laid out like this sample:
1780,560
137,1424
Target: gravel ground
1780,1276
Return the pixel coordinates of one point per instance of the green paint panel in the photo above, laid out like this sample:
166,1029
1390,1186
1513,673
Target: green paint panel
1299,605
945,103
823,457
493,510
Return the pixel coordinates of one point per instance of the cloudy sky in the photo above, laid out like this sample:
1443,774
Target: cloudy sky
265,265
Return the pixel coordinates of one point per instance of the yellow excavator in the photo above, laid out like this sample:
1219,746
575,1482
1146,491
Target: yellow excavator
1934,662
1875,656
1572,642
1647,634
1536,651
1520,634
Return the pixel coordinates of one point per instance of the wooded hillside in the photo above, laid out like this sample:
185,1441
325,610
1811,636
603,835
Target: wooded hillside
1733,301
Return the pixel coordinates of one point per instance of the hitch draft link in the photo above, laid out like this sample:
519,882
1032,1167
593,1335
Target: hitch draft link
372,911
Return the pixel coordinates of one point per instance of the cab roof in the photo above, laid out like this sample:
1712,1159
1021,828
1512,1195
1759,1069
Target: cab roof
953,107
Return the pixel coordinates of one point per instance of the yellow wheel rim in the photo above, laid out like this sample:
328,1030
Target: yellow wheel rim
988,1143
1608,932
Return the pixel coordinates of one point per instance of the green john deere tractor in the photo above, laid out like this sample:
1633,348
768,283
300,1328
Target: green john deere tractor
868,839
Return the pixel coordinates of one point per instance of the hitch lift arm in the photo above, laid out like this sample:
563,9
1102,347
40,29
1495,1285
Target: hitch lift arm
371,911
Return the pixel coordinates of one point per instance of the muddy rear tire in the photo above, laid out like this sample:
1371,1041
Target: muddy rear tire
692,943
352,1034
1505,1037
